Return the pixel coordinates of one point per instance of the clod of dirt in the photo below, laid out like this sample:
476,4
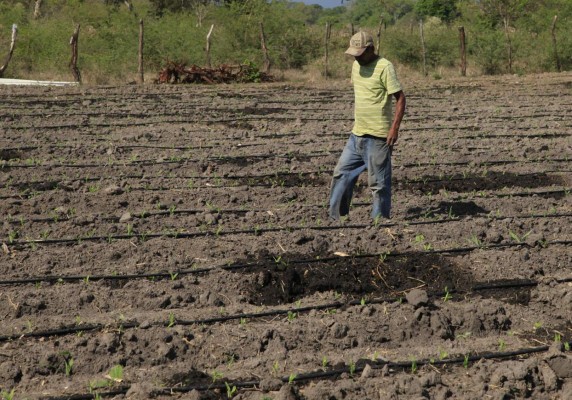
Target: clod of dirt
287,392
140,390
417,298
562,366
113,190
125,217
10,373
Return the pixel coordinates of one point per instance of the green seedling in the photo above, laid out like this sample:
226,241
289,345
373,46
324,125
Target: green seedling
413,365
352,368
230,391
537,325
567,346
7,395
172,210
275,368
172,320
466,361
291,316
115,374
242,321
173,275
68,363
502,345
362,301
324,362
292,378
448,295
129,229
517,238
443,354
557,338
216,375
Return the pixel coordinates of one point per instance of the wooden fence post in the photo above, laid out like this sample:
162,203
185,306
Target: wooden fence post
12,45
463,49
73,61
327,42
208,49
379,33
37,9
140,69
423,49
554,46
264,49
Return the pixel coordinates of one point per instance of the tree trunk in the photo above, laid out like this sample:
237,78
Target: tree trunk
267,62
11,51
73,61
423,49
463,49
140,61
208,49
554,46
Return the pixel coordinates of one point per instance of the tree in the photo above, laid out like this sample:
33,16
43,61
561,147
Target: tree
445,10
506,12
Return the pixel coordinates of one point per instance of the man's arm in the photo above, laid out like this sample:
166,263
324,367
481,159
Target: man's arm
398,116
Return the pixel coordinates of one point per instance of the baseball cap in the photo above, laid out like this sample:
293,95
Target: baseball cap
358,43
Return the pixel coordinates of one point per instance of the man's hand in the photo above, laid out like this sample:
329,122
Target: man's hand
392,137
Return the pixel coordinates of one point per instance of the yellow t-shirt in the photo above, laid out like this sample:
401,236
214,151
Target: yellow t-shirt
373,86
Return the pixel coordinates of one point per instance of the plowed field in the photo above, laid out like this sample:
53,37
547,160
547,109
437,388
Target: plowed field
173,242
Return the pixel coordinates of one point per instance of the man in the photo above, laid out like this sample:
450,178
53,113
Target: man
374,133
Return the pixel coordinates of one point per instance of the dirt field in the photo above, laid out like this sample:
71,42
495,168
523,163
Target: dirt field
181,233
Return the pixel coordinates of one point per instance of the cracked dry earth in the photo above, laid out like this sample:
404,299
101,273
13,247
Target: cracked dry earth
180,232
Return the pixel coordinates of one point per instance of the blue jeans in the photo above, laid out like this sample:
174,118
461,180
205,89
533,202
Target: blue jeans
362,153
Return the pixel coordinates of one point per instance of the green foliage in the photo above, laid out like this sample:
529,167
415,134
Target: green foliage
445,10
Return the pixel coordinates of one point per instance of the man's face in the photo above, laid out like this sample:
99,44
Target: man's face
366,57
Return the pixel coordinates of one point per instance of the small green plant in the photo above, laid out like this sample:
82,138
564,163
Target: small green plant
7,395
242,321
517,238
448,295
413,365
216,375
537,325
502,345
557,338
324,362
173,275
230,391
129,229
567,346
292,316
172,320
172,210
275,368
68,363
362,301
292,378
466,361
116,373
443,354
352,367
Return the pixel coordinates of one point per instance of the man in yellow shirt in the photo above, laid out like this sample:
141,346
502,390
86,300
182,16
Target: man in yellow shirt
375,131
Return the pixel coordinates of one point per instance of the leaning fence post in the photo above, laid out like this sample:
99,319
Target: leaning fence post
264,49
12,45
140,69
73,61
208,49
463,49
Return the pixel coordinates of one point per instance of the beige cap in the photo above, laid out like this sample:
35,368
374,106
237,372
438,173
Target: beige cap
358,43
